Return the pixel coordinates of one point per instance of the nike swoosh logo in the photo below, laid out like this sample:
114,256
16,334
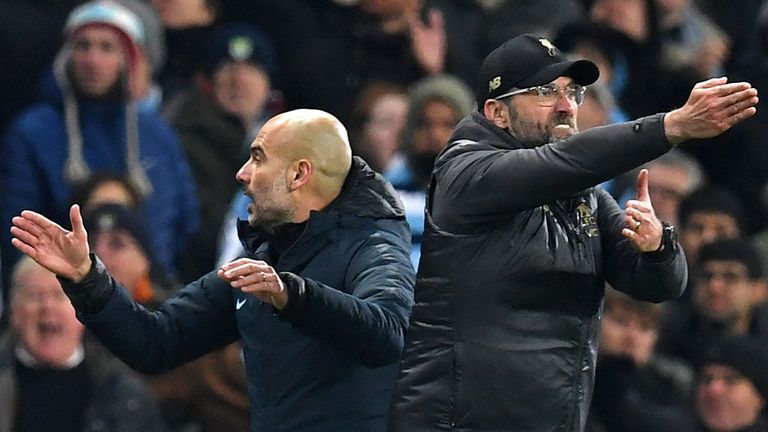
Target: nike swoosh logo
240,303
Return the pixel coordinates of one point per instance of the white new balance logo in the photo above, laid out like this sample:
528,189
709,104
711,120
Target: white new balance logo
240,303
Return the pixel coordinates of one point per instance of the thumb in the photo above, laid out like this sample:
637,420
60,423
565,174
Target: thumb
642,186
76,219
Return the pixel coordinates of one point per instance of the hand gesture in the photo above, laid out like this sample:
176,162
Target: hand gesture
257,278
63,252
428,41
713,107
643,229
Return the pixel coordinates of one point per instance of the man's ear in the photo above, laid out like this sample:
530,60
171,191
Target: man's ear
300,175
494,111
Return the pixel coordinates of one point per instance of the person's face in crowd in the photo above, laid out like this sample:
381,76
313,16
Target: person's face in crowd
109,192
724,291
536,122
241,89
702,228
97,60
589,51
726,400
667,185
627,332
434,127
385,124
182,14
593,114
122,256
44,319
264,176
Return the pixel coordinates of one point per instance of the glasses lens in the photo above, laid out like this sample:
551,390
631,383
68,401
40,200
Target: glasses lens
548,94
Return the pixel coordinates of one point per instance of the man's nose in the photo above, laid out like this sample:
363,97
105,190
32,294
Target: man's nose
240,176
564,103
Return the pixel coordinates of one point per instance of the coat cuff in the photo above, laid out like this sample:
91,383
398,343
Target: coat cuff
297,297
91,294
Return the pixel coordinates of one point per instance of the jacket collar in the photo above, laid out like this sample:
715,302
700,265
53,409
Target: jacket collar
364,195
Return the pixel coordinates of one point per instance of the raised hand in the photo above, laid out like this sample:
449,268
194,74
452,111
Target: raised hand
643,229
257,278
428,41
63,252
713,107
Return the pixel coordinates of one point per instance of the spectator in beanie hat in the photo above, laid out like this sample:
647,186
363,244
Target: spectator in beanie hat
88,121
118,237
732,386
216,122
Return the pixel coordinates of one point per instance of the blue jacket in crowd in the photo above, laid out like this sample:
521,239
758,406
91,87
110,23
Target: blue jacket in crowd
34,149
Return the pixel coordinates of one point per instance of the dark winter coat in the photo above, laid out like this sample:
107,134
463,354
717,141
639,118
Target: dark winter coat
517,248
328,362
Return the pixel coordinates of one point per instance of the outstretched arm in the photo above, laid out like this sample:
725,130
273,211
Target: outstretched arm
63,252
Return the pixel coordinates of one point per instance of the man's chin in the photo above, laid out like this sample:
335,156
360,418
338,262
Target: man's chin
561,132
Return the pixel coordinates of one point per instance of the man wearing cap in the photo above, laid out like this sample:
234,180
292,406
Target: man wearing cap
518,245
89,121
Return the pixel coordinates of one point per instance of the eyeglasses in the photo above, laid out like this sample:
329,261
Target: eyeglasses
546,95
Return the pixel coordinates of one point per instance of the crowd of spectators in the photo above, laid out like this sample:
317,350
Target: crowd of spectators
143,112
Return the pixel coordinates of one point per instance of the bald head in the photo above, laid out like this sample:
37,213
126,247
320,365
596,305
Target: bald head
298,163
318,137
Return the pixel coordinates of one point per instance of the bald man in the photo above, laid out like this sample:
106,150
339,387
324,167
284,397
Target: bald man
321,302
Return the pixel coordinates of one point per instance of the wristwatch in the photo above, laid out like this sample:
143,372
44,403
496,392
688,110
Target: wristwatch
668,238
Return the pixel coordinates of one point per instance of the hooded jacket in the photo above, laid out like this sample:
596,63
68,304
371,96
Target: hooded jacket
328,361
517,248
32,168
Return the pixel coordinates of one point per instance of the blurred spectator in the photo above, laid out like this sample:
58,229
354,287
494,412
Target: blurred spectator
707,214
216,121
154,52
691,41
89,122
376,126
636,389
105,188
651,86
505,19
671,177
728,297
53,380
732,386
188,24
435,106
393,41
739,23
598,108
117,236
606,47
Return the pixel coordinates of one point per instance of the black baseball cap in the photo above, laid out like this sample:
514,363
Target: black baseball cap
528,61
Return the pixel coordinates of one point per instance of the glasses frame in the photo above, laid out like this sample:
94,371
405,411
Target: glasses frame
578,97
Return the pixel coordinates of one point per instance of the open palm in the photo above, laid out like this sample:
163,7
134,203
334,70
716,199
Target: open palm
63,252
